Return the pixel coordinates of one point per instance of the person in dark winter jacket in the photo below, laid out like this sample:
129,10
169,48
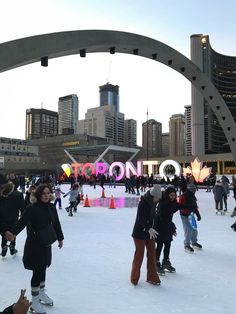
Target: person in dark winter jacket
190,207
20,307
219,193
37,257
144,235
11,206
165,227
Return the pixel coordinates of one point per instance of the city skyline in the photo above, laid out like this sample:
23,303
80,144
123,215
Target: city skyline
143,83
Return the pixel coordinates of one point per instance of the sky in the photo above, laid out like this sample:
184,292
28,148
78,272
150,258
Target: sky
90,274
143,82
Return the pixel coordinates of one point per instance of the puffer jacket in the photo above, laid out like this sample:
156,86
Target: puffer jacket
144,218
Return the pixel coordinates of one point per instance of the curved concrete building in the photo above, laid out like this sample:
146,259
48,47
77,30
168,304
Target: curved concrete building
221,70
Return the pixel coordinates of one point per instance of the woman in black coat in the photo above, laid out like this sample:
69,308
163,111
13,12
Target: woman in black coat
37,257
144,235
165,228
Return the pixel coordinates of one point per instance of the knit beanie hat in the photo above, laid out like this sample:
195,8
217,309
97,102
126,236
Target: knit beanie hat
191,187
156,191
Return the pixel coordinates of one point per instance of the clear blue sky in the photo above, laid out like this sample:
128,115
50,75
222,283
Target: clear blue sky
143,83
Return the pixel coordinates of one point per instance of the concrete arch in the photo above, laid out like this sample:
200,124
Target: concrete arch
28,50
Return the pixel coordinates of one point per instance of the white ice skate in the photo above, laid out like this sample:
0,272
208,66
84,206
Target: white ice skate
44,298
36,306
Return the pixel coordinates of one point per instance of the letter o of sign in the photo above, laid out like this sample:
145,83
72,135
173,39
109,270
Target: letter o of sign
173,163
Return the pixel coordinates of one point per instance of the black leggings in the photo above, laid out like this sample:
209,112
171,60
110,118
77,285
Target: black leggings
166,251
39,276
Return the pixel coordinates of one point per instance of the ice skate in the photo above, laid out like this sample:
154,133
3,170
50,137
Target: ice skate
155,283
166,266
197,246
44,298
4,251
188,249
160,269
36,307
13,250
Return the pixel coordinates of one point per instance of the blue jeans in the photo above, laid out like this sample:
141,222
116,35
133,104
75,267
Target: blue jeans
190,234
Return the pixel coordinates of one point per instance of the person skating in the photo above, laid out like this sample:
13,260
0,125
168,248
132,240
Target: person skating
144,235
165,227
58,192
187,216
73,198
219,193
37,257
11,205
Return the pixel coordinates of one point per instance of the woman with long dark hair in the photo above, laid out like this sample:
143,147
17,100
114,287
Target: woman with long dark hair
38,255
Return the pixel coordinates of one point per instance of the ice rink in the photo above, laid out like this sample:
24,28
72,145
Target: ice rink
90,274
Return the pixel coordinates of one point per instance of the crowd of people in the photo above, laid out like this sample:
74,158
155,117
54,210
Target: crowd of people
30,204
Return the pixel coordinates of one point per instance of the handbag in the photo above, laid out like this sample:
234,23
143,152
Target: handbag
47,235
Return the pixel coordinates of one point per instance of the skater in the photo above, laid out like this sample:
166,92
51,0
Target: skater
11,206
20,307
219,193
144,235
74,199
37,257
166,208
225,184
58,192
190,231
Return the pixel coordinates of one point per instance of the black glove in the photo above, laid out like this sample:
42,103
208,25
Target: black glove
199,217
64,196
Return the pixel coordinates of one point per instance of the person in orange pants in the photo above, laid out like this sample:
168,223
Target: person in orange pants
144,236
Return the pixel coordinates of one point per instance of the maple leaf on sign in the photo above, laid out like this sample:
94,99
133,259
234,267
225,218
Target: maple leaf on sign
197,171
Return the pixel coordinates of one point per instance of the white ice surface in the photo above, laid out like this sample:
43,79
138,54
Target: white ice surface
90,275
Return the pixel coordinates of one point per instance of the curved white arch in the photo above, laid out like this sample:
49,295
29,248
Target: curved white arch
27,50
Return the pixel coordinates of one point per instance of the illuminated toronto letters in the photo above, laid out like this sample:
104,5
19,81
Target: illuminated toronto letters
119,169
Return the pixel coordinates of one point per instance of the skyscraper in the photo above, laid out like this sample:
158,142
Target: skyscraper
207,134
68,114
109,95
176,135
188,132
41,123
152,138
130,132
104,122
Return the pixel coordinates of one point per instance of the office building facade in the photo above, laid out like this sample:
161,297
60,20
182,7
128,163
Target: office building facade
152,138
177,135
109,95
104,122
165,144
188,133
207,134
68,114
41,123
130,132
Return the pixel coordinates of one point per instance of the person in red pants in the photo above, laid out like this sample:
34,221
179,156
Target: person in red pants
144,236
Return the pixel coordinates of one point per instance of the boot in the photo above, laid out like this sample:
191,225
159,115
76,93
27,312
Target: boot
160,270
44,298
4,251
166,265
12,250
36,307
